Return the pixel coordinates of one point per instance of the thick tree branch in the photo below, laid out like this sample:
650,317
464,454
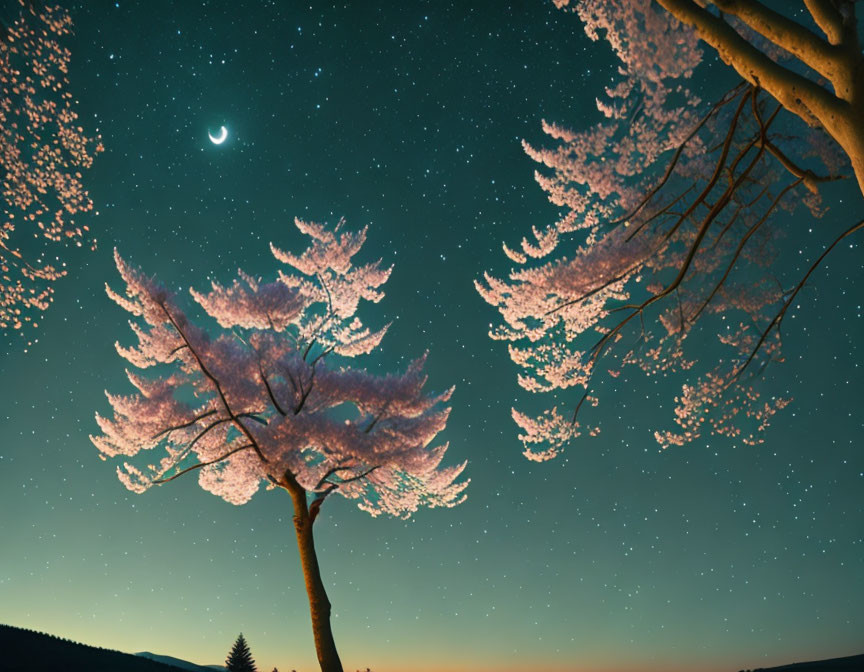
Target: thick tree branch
828,19
798,40
797,94
840,115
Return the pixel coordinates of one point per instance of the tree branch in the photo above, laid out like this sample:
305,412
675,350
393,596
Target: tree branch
798,40
721,203
796,93
811,180
358,476
185,424
203,464
327,474
727,143
324,319
741,245
182,455
269,390
216,384
828,19
778,318
728,97
305,393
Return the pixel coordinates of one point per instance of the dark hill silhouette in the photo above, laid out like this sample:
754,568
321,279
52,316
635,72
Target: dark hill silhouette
178,662
847,664
30,651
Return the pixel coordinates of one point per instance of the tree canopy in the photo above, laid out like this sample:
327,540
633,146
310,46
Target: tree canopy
672,207
43,151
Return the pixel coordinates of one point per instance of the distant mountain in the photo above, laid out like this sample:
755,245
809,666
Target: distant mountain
848,664
178,662
29,651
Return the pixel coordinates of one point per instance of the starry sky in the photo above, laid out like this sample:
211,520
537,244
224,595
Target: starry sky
408,117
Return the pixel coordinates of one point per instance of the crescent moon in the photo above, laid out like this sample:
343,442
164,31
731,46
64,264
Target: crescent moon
218,139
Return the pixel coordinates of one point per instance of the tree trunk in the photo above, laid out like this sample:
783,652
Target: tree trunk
854,144
319,604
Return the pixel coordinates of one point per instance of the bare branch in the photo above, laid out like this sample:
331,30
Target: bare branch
811,180
578,406
778,318
667,209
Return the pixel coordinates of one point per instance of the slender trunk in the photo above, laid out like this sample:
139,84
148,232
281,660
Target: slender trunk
319,605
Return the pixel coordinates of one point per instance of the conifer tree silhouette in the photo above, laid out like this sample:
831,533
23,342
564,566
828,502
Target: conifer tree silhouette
240,658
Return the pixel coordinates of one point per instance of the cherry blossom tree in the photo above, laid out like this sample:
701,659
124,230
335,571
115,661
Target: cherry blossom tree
670,228
43,150
262,401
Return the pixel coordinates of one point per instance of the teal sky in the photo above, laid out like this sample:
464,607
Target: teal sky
408,117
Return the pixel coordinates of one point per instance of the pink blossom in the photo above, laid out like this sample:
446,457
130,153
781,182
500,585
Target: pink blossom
43,151
670,208
267,394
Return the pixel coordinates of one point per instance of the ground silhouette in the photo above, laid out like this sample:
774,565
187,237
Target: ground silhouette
30,651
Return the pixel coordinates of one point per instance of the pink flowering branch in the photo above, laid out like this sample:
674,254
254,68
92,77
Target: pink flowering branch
700,190
43,153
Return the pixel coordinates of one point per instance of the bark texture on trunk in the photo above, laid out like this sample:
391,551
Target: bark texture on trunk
319,604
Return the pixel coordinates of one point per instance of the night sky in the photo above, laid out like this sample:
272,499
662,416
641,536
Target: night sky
408,117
